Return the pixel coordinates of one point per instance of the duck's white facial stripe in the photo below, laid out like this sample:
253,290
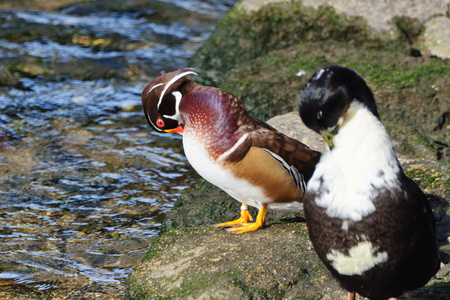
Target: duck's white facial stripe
172,81
148,117
150,120
154,87
178,96
177,115
362,257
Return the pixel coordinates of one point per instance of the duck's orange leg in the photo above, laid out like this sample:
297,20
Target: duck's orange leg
351,295
246,227
245,217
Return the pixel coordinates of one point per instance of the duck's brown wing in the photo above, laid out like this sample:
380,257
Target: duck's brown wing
292,152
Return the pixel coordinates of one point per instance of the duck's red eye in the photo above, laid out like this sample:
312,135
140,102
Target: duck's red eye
160,123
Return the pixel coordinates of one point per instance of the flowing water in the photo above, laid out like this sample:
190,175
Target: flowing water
84,182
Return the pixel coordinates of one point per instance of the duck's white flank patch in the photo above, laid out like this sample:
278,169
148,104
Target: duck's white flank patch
212,171
344,225
235,146
360,258
172,81
348,178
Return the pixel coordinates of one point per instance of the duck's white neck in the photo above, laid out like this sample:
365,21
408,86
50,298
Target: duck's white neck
362,161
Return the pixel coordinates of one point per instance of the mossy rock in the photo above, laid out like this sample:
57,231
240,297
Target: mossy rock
209,263
275,263
206,204
242,36
257,57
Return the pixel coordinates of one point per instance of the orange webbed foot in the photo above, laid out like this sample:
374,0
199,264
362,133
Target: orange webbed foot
245,217
247,227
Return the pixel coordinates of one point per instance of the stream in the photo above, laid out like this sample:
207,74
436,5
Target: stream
84,182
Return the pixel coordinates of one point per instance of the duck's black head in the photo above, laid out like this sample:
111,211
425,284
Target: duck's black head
161,99
327,96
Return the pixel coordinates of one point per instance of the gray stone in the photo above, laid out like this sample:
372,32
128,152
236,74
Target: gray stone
291,125
379,15
436,37
252,5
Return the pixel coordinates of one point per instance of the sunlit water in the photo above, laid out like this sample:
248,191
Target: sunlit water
84,183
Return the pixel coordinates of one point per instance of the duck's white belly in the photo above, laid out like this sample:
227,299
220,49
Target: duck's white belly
214,172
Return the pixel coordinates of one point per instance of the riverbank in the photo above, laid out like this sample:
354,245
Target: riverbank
265,57
193,260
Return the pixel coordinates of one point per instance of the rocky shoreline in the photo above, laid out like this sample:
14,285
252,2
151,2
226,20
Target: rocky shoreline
382,17
259,56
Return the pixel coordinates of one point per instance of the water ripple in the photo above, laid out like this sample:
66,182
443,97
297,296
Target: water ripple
84,182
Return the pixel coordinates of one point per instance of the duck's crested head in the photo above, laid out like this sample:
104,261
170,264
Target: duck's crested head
327,96
161,99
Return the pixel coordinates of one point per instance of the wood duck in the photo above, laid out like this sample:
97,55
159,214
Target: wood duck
245,157
371,225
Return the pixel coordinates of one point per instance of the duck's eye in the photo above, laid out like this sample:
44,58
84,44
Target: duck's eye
160,123
319,115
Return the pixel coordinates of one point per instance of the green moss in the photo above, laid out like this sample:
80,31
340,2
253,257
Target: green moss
394,75
435,289
257,55
242,36
154,250
434,179
409,28
309,64
136,291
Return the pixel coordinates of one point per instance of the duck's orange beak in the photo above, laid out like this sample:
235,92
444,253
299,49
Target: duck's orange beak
179,130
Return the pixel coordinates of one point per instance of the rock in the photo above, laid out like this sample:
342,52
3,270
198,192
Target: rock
291,125
209,263
436,37
377,13
277,262
252,5
381,16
